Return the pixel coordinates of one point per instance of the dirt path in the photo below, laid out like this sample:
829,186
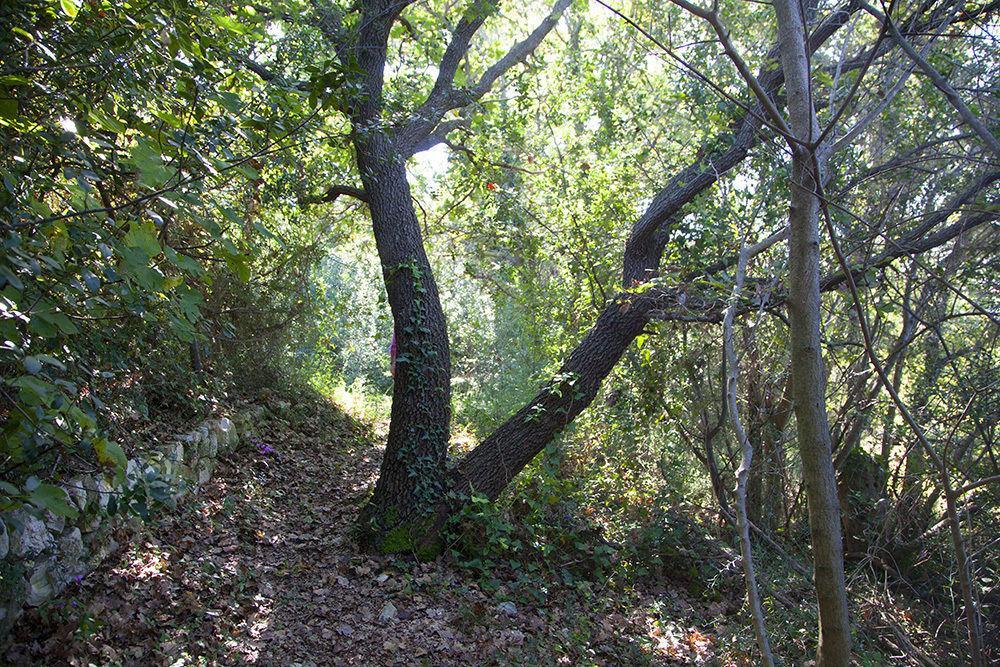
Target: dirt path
260,569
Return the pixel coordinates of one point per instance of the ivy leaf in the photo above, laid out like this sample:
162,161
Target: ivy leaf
53,499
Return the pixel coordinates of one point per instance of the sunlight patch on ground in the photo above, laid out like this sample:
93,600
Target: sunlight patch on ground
144,562
677,642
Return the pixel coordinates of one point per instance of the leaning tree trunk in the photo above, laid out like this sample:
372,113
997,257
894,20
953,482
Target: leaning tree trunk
411,479
412,475
489,467
806,352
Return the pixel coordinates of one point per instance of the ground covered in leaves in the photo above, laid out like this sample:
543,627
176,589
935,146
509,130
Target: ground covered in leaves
260,569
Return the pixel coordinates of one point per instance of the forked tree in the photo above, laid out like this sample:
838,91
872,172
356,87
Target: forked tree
417,489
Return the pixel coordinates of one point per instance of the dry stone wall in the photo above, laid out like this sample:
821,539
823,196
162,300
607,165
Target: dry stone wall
42,553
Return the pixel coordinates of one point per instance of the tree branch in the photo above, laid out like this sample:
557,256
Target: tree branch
940,82
332,194
444,97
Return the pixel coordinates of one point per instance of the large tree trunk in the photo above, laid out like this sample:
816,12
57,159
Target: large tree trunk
411,480
809,380
412,475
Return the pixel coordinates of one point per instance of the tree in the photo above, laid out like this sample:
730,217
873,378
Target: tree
808,377
417,489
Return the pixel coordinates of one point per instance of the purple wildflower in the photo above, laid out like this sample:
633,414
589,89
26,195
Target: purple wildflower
264,449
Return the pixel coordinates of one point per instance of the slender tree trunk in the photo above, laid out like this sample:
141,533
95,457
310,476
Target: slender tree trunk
746,462
806,351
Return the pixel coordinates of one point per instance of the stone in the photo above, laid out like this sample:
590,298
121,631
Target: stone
508,608
226,431
32,536
133,473
213,444
56,523
388,612
13,589
203,438
40,587
71,545
4,540
70,565
76,487
344,630
176,453
104,493
205,467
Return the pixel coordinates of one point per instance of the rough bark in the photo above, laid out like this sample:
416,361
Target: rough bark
808,375
411,478
489,467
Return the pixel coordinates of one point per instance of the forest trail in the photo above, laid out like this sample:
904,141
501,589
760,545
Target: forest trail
260,569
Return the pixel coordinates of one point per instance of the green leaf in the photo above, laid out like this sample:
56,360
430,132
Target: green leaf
70,8
8,108
142,236
106,121
109,454
54,499
49,323
230,24
149,162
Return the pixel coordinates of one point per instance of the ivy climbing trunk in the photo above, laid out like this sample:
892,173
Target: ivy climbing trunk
411,478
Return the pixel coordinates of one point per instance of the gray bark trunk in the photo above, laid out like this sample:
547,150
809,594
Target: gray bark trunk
808,376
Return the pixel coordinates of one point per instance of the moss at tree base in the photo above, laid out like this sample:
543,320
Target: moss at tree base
417,537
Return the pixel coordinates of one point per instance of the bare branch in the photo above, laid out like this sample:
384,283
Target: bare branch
444,97
940,82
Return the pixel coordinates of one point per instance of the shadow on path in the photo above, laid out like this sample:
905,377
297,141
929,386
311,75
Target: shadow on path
260,569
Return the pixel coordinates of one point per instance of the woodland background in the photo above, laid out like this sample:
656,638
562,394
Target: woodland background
185,225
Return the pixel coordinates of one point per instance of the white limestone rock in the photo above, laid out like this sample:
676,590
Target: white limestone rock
226,431
56,523
133,473
104,493
32,537
40,588
205,468
76,487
